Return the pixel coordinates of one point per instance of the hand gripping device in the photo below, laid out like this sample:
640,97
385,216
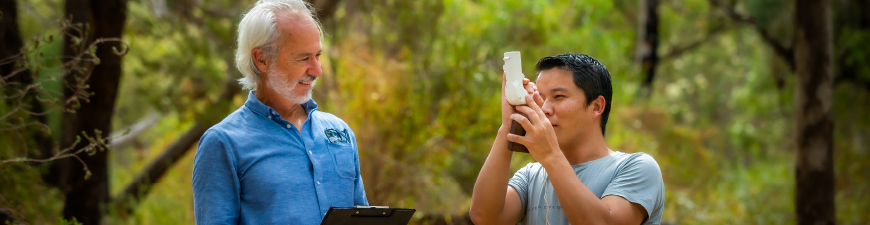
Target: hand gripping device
514,93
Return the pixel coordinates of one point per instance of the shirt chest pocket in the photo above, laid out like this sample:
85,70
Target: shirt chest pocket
343,159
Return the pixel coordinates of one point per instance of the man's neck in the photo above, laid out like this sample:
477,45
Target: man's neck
291,112
586,149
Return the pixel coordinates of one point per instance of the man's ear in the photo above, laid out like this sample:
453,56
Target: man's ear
259,57
598,105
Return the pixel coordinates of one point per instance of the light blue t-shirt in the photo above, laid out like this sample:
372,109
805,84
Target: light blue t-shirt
256,168
636,177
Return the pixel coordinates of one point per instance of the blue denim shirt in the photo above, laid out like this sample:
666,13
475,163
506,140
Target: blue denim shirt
256,168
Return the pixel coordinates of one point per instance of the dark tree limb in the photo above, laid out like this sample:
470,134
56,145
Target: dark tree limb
141,185
852,79
848,72
785,52
678,51
154,171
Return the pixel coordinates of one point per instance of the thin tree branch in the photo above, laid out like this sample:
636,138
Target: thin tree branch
96,143
786,53
852,79
86,54
678,51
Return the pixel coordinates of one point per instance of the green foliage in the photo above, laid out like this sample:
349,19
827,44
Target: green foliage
63,221
24,196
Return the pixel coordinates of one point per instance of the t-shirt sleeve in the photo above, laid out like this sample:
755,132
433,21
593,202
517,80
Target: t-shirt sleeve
520,182
215,182
639,180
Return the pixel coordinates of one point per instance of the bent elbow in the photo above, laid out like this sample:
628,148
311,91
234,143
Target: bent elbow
476,216
483,218
478,220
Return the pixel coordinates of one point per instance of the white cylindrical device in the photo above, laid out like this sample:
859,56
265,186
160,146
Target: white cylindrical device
513,90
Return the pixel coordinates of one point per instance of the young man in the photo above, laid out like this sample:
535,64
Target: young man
277,159
577,178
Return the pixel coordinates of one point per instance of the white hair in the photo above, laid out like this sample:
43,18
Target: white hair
258,30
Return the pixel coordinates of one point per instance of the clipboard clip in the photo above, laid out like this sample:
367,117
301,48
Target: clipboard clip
369,211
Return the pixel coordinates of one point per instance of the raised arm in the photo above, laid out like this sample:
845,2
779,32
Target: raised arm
492,200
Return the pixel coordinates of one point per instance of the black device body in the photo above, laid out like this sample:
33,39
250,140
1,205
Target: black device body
517,129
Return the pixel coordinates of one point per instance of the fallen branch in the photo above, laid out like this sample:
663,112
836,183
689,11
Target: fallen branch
141,185
155,170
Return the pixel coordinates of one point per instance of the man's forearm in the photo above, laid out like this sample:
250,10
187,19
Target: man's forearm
580,205
488,197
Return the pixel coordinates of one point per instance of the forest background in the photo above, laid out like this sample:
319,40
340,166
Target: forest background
709,92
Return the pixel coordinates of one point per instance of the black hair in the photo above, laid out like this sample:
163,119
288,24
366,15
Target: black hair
589,75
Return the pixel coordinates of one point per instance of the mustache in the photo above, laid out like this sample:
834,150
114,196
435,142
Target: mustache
307,78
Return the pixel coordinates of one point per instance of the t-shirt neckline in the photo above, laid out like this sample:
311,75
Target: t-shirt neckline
608,156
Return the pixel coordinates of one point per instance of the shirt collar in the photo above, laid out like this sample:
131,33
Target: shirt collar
258,107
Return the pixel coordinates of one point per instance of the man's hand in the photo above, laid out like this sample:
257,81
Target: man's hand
506,108
492,200
540,137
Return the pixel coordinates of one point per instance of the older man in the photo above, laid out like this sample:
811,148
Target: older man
277,159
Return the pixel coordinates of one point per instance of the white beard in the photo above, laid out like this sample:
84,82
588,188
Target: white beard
286,88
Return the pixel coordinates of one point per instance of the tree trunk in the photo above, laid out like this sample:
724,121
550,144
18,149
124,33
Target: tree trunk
86,198
815,124
648,41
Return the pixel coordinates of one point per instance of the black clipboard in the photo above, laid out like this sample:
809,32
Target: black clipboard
364,215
